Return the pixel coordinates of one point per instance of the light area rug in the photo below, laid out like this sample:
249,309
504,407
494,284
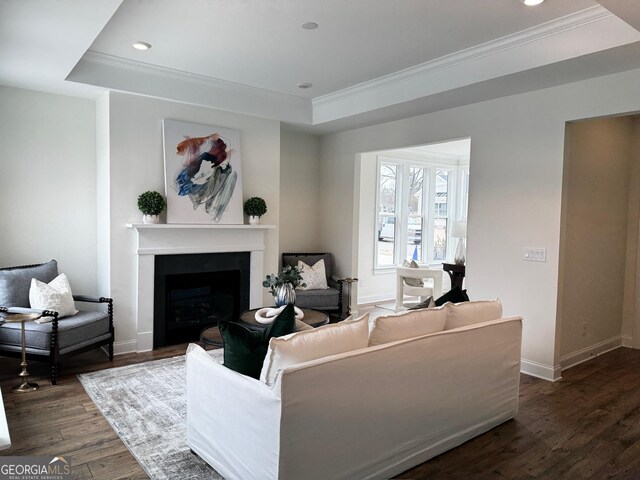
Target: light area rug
146,404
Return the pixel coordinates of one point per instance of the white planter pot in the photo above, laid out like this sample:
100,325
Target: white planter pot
254,220
150,219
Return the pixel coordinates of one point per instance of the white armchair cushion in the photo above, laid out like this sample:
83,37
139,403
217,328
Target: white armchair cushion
413,323
320,342
468,313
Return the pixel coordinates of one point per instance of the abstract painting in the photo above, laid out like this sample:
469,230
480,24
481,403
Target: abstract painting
203,175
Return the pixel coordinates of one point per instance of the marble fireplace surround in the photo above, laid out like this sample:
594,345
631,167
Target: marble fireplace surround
174,239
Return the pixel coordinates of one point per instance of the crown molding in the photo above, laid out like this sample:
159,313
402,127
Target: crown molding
121,74
165,72
523,37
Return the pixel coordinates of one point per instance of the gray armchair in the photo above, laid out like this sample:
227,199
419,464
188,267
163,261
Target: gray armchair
327,300
56,339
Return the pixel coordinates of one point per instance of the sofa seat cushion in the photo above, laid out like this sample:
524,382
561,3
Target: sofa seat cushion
409,324
74,330
469,313
320,299
15,282
300,347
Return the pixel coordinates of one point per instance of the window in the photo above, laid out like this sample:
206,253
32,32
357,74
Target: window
416,203
387,200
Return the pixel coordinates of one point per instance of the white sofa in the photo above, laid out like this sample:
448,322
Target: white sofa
369,413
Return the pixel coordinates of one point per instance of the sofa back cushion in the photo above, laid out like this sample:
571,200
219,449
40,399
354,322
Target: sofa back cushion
15,282
413,323
468,313
320,342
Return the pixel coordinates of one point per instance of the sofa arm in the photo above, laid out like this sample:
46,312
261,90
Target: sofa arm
225,410
44,313
91,299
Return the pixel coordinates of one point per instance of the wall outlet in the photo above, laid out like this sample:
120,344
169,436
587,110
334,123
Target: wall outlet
584,329
535,254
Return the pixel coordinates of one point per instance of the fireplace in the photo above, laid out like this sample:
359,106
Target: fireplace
195,291
153,241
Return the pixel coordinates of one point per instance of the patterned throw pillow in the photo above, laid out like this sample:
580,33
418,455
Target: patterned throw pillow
55,295
414,282
315,277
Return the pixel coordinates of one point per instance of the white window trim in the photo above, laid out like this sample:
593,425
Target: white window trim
455,205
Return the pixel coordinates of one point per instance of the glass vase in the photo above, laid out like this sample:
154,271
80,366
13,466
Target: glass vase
285,295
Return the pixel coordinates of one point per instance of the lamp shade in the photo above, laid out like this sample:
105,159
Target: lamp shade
459,229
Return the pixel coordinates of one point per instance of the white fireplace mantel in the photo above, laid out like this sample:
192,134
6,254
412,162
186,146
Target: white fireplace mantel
175,239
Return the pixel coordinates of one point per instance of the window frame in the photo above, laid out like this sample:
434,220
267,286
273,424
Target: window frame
428,209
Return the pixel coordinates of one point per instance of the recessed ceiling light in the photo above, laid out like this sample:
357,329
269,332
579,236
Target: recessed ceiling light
305,85
310,25
531,3
141,45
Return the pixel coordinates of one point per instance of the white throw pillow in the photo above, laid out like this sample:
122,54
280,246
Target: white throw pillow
321,342
315,277
468,313
413,323
56,295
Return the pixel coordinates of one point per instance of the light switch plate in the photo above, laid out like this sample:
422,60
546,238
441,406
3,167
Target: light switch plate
535,254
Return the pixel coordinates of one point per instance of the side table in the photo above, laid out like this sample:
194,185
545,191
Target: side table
211,337
24,386
456,274
313,318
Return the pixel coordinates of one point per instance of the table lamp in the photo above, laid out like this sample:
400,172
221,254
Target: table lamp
459,231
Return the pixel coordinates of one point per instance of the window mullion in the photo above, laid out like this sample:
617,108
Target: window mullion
403,213
430,210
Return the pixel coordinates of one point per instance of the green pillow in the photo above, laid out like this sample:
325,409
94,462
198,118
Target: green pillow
245,349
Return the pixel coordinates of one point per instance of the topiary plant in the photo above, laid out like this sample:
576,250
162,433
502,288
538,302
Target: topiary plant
255,207
151,203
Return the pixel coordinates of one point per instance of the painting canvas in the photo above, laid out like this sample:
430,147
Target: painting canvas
203,174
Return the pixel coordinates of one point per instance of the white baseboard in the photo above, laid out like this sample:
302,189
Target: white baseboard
145,341
128,346
627,341
592,351
539,370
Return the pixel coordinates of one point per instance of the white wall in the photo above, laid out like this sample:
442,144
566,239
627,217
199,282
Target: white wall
631,305
517,146
48,182
594,236
299,192
136,164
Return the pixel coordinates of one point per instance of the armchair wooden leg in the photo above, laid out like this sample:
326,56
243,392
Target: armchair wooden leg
111,351
54,373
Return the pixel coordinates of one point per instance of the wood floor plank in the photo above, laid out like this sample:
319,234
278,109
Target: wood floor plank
585,426
119,465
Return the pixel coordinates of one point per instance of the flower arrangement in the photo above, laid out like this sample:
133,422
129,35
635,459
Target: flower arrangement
289,274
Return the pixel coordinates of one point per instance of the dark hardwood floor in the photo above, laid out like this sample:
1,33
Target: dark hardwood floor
585,427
